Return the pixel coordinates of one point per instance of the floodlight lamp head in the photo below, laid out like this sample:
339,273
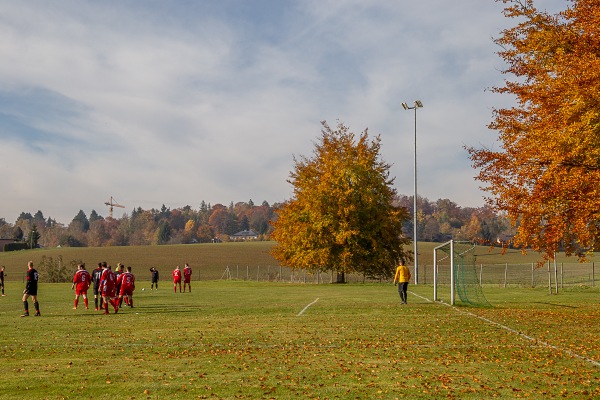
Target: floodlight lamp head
405,106
418,104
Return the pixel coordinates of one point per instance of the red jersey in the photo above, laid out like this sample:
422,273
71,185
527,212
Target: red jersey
176,275
187,274
82,280
108,283
127,283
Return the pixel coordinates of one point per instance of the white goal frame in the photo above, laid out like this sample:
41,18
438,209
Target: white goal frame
435,271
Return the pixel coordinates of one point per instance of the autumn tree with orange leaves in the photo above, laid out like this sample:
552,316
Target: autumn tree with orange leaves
341,217
546,176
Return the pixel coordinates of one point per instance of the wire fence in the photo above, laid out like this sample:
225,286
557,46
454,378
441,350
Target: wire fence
502,275
523,275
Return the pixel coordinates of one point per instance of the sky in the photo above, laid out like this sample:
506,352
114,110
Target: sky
179,102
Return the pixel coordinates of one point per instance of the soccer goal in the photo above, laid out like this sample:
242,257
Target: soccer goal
455,261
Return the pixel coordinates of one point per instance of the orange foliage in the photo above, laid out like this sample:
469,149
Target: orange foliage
341,217
547,174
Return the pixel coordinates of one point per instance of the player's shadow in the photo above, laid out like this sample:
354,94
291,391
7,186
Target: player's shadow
554,304
163,310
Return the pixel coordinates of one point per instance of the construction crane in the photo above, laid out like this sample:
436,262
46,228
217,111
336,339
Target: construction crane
112,203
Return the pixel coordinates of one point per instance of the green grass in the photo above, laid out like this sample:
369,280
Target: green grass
248,340
209,261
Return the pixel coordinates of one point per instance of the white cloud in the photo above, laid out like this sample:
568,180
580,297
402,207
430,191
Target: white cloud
175,103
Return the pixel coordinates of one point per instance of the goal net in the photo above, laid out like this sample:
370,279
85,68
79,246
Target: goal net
457,260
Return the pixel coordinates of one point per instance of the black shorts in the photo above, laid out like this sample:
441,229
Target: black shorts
31,291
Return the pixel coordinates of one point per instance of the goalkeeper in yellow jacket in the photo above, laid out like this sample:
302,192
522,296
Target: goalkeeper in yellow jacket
401,279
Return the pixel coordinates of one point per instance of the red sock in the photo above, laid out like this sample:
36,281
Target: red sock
75,303
106,306
131,302
85,301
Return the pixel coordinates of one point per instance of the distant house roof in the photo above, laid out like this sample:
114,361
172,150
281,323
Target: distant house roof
249,234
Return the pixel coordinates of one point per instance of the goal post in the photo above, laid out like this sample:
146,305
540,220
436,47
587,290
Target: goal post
435,270
463,273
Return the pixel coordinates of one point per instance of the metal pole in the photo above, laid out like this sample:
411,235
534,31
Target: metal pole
452,296
555,274
562,275
416,104
435,275
480,275
415,233
549,278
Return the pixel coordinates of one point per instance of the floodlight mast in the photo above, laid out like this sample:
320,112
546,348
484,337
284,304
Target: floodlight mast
417,104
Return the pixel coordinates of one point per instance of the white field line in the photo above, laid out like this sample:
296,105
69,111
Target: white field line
537,341
306,308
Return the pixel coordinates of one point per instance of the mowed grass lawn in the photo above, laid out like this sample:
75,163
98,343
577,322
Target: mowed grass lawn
249,340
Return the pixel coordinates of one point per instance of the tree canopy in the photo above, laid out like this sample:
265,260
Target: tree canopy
341,217
546,174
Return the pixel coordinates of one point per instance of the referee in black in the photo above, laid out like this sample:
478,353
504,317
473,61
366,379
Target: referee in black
96,276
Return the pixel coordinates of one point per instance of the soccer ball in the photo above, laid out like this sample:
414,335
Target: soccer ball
143,289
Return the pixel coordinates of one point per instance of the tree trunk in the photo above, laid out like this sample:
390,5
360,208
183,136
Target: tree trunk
341,277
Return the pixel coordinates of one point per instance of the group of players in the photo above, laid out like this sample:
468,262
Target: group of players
113,287
109,287
187,278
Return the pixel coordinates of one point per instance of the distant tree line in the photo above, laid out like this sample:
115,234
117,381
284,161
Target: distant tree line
443,219
438,221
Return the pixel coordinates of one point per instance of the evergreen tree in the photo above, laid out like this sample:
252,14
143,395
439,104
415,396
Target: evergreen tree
163,233
33,237
39,217
244,223
18,234
94,216
24,217
80,221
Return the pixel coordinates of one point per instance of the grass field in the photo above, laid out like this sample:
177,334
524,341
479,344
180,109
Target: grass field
248,340
209,261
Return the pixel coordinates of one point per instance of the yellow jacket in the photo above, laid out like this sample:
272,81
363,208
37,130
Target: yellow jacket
402,274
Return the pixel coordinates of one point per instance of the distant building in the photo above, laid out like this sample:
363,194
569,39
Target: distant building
505,240
244,235
5,241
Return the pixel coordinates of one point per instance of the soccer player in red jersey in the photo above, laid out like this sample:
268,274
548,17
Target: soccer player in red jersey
176,279
81,284
187,277
127,284
108,284
118,273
